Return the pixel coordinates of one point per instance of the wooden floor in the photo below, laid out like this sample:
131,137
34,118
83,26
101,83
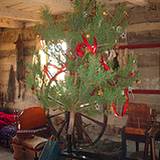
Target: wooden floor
5,154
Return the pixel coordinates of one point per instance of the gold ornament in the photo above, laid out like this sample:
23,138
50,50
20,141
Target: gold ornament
104,13
100,92
125,13
88,35
134,61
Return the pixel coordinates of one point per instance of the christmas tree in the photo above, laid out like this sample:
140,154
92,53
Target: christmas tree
93,77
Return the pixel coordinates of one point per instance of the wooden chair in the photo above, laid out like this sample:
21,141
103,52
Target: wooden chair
33,130
153,135
139,121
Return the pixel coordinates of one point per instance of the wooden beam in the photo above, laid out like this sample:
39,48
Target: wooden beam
143,37
9,23
138,2
112,2
19,15
29,24
7,46
143,27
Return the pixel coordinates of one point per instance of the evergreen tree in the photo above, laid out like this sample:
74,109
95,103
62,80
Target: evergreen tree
93,76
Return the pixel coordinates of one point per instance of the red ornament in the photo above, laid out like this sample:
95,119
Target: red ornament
125,106
132,74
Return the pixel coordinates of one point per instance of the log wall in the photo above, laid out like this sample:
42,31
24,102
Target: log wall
143,28
8,57
145,22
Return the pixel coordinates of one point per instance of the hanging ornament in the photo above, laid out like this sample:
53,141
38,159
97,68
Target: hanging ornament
100,92
125,106
104,13
125,13
88,35
123,35
119,29
85,14
132,74
134,61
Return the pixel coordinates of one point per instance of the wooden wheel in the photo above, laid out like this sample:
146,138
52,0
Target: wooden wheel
85,130
82,129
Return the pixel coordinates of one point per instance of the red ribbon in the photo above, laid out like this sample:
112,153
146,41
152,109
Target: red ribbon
91,48
104,64
125,106
79,50
60,70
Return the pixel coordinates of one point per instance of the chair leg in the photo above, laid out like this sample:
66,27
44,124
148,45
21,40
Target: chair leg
146,148
36,156
124,144
137,146
153,152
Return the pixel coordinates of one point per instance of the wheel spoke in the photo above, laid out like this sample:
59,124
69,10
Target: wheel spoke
55,115
61,128
93,120
86,124
89,140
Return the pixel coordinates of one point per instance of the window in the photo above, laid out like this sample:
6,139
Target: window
53,54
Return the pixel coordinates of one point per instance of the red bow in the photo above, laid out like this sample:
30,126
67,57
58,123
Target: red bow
125,106
91,48
85,43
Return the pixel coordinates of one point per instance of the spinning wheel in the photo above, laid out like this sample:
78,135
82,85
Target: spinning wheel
82,129
75,128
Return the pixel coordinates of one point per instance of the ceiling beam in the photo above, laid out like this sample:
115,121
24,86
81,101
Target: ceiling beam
29,24
138,2
19,15
10,23
112,1
143,27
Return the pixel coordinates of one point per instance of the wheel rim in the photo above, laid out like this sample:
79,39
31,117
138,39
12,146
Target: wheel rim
82,135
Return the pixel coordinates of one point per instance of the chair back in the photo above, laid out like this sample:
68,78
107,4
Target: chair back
32,118
139,115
